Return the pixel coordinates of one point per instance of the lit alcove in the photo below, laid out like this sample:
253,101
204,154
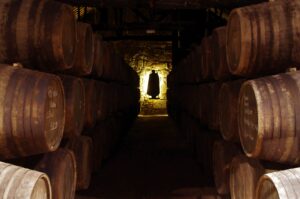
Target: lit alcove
145,57
149,105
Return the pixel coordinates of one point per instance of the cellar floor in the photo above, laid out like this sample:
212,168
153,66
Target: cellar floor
153,162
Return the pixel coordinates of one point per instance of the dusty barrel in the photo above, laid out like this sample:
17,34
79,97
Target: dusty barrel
90,88
39,34
107,136
219,64
223,153
206,58
85,197
228,110
279,185
244,175
193,76
21,183
98,137
107,60
103,100
98,56
205,103
82,147
32,112
116,72
197,193
213,112
75,105
204,151
197,64
60,166
84,53
261,39
269,118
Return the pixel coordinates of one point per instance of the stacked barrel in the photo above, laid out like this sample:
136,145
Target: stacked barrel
66,100
236,101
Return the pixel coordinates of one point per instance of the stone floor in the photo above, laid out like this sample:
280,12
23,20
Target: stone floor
153,162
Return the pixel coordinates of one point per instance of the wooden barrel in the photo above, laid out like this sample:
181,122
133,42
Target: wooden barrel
204,152
90,88
206,58
32,34
205,103
223,153
279,185
75,105
261,39
244,175
116,72
219,64
269,118
192,67
107,60
20,183
197,64
228,110
82,147
98,137
32,115
103,100
60,166
84,54
98,56
108,134
85,197
197,193
213,112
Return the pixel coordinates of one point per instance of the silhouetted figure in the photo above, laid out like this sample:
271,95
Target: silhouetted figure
153,85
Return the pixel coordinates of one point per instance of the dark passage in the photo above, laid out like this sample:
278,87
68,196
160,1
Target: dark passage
153,162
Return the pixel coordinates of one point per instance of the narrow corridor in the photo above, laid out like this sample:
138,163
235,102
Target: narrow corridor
153,162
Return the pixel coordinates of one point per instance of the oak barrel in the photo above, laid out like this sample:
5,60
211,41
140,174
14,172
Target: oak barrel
279,185
84,54
213,111
82,146
206,58
197,193
197,64
219,64
99,140
205,103
75,105
269,118
244,175
262,38
85,197
20,183
223,153
98,56
204,151
38,34
103,100
90,89
228,110
32,112
107,60
60,166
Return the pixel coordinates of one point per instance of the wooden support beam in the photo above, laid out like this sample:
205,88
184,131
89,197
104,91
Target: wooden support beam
140,38
162,4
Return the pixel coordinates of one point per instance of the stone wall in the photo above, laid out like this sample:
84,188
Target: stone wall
145,57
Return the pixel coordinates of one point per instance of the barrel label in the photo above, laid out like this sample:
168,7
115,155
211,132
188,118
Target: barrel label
52,95
248,114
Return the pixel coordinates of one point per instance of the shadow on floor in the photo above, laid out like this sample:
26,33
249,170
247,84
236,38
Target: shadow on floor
152,162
